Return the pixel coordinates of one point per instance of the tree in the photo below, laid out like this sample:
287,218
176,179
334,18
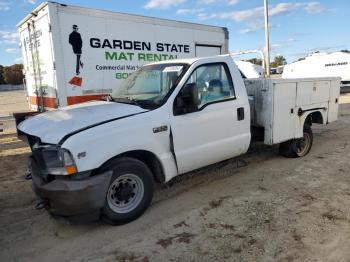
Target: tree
278,61
2,79
13,75
345,51
256,61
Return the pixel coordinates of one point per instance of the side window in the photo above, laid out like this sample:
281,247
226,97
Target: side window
214,83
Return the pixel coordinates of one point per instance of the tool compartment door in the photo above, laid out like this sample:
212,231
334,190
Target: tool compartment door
333,106
312,92
284,111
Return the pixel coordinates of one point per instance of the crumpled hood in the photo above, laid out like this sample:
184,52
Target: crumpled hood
52,126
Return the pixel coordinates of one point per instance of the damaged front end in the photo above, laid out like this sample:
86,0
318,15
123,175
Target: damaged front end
62,190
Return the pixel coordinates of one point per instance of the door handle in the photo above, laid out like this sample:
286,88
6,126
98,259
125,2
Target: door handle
240,113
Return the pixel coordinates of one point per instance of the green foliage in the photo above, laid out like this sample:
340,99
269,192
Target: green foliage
255,61
278,61
2,79
12,75
345,51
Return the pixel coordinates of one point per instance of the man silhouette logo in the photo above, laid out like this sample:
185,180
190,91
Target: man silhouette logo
77,43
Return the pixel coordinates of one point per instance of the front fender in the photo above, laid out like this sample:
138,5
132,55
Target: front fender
93,147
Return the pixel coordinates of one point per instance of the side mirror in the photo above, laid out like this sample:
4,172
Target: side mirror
187,100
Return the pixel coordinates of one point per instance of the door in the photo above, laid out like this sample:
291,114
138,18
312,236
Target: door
217,129
285,117
207,50
312,92
39,63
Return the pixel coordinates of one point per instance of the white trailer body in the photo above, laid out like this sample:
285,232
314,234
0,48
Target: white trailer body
321,65
63,67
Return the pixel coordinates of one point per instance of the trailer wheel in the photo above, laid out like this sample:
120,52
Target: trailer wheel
130,191
298,147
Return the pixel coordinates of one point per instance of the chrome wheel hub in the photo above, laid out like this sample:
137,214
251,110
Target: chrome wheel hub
125,193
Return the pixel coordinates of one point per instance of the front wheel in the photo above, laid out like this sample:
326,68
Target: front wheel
130,191
298,147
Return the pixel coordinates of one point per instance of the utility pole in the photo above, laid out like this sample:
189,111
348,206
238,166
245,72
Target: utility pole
267,39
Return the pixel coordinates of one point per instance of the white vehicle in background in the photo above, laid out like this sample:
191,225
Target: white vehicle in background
250,70
277,70
166,119
73,54
321,65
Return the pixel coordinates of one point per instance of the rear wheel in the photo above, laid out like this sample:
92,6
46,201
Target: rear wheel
298,147
130,191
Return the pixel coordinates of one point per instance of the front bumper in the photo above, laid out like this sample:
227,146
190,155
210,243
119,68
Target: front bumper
67,197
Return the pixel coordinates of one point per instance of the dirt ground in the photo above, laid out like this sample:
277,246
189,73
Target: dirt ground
259,207
12,101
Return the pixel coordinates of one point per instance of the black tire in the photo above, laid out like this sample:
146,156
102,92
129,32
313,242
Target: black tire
128,174
298,147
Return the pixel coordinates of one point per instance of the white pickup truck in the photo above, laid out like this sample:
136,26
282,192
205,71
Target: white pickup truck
166,119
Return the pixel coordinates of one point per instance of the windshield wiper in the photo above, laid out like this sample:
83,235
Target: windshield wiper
149,104
126,100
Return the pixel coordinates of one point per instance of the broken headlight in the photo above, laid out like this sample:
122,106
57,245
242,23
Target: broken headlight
58,161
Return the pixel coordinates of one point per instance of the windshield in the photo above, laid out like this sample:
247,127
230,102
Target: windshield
148,86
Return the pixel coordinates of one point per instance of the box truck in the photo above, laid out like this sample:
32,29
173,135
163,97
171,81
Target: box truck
73,54
335,64
103,158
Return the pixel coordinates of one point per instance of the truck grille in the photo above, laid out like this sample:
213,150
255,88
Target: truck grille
39,159
32,140
38,165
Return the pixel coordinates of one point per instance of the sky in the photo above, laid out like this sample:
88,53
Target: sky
297,28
